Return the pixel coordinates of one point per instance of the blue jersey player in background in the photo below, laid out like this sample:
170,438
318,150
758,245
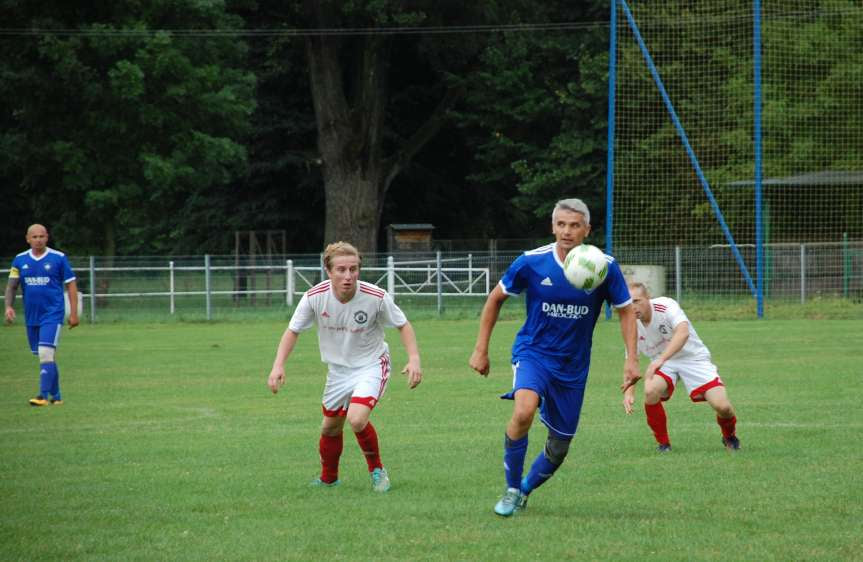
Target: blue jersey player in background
42,273
551,352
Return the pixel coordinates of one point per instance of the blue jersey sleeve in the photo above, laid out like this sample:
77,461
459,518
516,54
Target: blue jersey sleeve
68,274
514,281
618,292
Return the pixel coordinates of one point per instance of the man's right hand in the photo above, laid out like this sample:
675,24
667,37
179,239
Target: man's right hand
479,362
276,379
10,314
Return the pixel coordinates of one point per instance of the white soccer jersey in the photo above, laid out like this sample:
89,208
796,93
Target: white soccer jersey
350,334
654,338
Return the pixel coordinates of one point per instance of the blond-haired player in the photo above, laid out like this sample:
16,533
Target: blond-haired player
676,353
351,316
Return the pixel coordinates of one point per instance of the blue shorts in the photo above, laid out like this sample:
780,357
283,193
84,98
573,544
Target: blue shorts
560,402
47,335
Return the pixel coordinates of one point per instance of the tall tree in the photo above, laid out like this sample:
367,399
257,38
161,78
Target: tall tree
123,126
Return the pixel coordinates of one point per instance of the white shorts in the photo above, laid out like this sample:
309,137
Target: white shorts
361,385
698,377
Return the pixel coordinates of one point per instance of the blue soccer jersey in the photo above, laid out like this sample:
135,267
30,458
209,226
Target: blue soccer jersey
560,318
42,280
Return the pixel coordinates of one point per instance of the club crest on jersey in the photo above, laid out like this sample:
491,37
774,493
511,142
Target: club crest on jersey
47,267
360,317
570,311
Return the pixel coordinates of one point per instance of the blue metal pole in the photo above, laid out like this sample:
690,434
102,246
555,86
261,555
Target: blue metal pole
609,165
759,228
689,151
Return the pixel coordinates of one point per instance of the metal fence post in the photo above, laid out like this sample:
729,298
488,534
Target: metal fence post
207,285
802,273
171,270
439,286
391,276
289,282
470,273
92,289
678,275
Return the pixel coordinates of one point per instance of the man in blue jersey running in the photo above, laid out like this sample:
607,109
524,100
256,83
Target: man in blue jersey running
551,352
42,273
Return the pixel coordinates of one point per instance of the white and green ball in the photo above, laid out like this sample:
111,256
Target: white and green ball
585,267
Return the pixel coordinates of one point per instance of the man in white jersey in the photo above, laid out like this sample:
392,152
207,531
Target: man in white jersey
351,316
666,336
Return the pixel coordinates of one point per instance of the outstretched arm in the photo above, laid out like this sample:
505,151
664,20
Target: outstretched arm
678,340
286,346
629,331
479,358
412,369
9,300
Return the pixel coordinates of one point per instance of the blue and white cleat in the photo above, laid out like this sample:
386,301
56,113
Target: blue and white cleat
380,480
513,500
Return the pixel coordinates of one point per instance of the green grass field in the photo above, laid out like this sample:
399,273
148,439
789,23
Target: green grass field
170,447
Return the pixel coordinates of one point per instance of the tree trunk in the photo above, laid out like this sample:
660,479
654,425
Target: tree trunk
356,173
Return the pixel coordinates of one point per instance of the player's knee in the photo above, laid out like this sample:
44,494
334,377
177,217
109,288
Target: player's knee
652,395
556,450
523,417
46,354
724,409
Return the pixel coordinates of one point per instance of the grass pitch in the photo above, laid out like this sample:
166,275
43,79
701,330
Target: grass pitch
170,447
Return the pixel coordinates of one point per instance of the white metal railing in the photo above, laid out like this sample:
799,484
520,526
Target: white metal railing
433,280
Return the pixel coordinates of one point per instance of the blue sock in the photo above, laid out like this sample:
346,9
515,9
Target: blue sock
513,460
540,471
46,379
50,380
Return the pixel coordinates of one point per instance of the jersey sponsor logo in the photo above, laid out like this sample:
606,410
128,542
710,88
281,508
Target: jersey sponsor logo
360,317
569,311
37,281
547,282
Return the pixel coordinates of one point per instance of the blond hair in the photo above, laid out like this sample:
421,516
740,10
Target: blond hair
639,285
340,249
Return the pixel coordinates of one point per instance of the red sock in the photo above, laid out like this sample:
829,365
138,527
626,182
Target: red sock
727,425
330,447
658,422
368,440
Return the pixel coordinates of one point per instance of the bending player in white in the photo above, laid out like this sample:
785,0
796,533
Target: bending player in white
666,336
351,316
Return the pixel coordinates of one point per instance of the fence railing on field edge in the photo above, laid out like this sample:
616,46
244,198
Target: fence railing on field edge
422,278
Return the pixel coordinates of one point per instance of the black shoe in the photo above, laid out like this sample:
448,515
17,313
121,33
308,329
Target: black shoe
664,448
731,443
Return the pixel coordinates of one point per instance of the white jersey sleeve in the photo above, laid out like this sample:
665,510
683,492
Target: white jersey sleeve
391,315
303,317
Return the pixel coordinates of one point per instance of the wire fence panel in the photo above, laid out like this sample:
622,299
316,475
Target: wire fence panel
206,287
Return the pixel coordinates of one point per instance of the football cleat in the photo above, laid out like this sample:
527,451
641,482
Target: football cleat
38,401
56,402
513,500
731,443
318,483
380,480
666,448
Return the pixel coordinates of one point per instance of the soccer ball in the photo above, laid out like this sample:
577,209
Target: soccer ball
585,267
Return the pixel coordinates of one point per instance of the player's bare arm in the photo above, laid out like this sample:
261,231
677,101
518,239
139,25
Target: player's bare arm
678,340
413,369
9,299
490,311
286,346
629,332
72,286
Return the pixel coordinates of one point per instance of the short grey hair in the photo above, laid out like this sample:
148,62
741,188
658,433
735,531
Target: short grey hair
576,205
